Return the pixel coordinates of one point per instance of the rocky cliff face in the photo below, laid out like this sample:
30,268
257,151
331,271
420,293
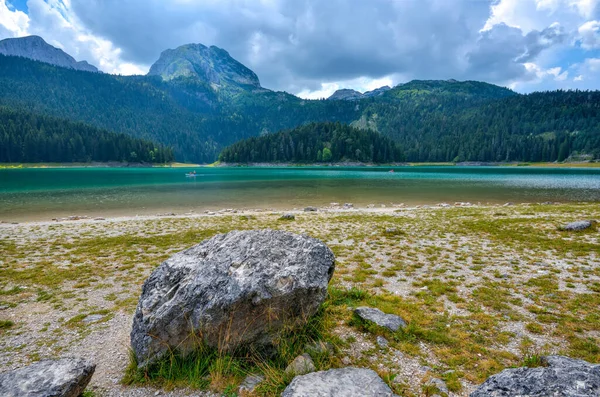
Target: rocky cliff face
212,65
34,47
346,94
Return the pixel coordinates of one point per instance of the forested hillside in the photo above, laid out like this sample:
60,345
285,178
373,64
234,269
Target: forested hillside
315,143
184,113
29,138
545,126
429,120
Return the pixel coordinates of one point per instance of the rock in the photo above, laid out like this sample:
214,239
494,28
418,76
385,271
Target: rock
287,217
371,206
93,318
346,360
577,226
444,205
348,205
66,377
301,365
439,384
243,287
34,47
391,230
562,376
382,342
311,209
389,321
508,204
250,383
343,382
334,204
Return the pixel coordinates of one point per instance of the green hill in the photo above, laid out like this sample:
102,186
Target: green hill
199,100
29,138
315,143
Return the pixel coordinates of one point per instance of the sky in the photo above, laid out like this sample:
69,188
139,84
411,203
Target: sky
313,47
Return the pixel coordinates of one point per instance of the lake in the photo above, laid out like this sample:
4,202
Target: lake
42,194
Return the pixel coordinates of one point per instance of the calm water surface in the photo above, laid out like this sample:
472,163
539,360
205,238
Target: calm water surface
38,194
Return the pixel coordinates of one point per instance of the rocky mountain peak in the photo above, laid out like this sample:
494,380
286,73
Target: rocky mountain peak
34,47
346,94
212,65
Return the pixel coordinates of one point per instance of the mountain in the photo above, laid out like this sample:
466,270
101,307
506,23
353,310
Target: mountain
198,100
211,65
345,94
34,47
26,137
315,143
376,92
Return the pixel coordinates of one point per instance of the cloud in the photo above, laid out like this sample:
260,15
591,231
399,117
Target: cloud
313,47
590,35
13,23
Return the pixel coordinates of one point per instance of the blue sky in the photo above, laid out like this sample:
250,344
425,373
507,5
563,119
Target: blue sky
313,47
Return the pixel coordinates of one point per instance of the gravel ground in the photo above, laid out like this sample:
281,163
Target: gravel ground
68,297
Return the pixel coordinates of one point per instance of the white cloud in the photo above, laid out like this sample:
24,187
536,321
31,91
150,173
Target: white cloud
590,35
13,23
361,84
314,47
54,21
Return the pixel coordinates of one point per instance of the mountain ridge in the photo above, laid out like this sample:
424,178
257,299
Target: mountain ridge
37,49
199,99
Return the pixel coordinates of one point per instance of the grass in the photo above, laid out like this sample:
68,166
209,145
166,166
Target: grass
220,370
464,279
6,324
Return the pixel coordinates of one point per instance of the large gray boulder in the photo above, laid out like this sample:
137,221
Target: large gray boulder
343,382
562,376
239,288
389,321
66,377
577,226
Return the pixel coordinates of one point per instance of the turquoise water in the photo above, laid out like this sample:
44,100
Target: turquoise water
37,194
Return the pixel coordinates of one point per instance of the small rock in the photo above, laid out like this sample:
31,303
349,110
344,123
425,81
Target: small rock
346,360
439,384
391,230
66,377
348,205
508,204
371,206
562,376
311,209
389,321
287,217
250,383
444,205
93,318
382,342
301,365
334,204
577,226
351,382
99,218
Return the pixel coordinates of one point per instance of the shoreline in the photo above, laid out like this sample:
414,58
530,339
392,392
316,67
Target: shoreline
9,166
380,209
